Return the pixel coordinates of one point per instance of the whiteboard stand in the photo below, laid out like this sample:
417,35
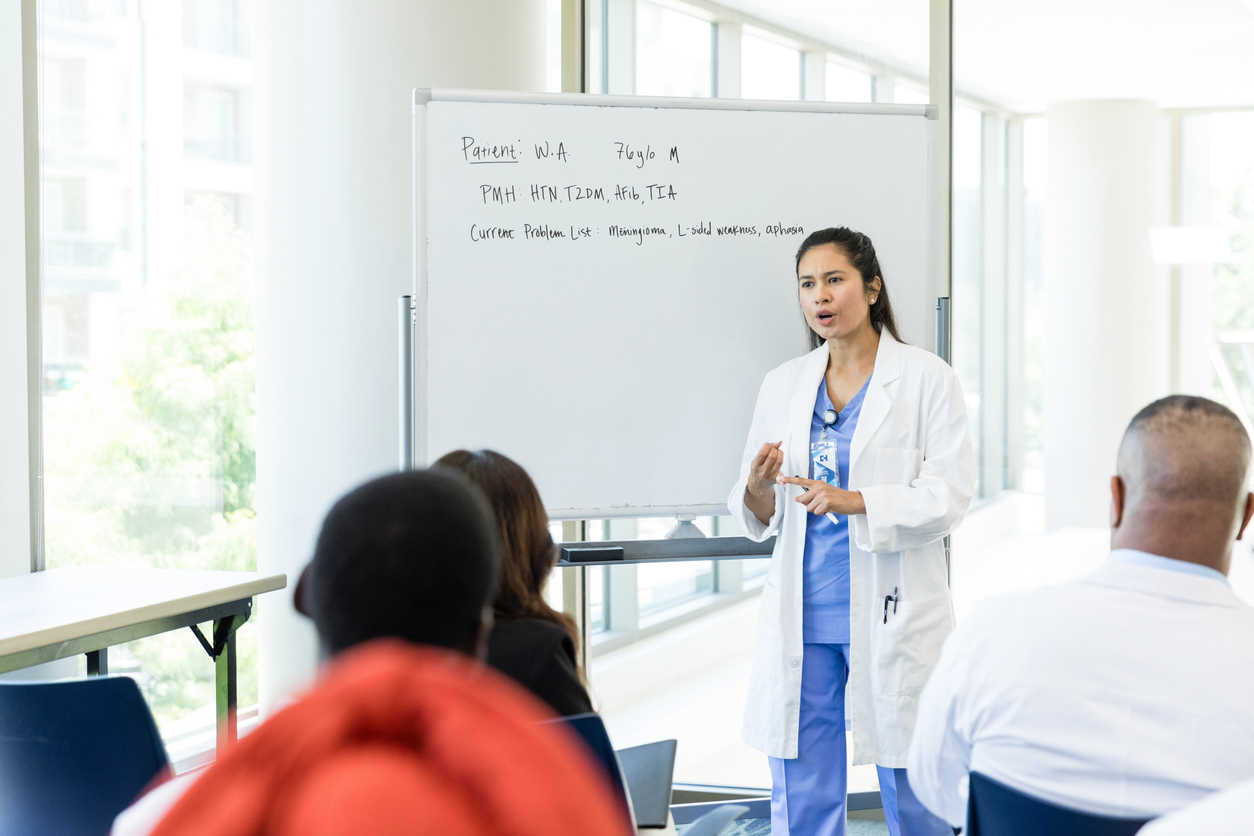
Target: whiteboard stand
405,343
684,528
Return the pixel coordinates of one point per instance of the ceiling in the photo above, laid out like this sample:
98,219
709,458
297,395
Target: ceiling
1024,54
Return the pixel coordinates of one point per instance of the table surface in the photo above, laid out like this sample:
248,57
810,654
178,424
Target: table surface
58,605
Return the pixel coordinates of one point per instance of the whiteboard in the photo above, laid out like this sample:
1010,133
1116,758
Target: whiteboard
601,283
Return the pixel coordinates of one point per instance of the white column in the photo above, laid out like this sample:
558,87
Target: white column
727,36
16,215
1102,299
332,86
620,47
814,75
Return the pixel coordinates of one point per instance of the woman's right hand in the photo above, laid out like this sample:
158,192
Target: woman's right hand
760,491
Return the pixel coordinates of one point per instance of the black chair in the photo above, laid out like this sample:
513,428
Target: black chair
73,754
994,809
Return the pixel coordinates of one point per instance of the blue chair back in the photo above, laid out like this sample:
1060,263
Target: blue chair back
73,754
994,809
591,729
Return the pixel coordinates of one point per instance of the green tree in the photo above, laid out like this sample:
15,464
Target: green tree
153,462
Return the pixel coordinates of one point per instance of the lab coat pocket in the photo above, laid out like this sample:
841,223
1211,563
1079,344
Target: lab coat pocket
896,466
907,645
768,626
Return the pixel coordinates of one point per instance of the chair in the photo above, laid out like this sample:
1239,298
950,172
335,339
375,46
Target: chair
994,809
73,754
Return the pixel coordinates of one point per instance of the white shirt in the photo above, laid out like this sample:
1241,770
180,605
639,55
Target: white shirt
142,817
911,459
1226,813
1129,693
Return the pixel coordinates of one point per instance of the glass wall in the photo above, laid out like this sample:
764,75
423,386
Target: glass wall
769,70
674,53
845,84
149,446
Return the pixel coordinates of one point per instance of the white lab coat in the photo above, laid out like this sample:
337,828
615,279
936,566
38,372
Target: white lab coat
1228,812
1124,693
912,460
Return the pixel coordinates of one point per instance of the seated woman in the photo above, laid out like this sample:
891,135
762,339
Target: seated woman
531,642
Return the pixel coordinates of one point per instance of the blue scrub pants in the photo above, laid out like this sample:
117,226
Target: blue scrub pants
808,792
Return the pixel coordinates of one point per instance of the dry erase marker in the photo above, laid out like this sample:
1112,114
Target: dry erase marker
830,515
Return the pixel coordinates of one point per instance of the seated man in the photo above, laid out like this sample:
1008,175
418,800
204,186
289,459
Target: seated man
1125,693
406,732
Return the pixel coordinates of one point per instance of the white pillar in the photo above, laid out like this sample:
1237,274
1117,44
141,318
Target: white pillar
1102,302
727,35
332,85
17,173
814,75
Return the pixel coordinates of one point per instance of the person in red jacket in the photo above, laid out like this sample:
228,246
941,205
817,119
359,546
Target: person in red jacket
406,732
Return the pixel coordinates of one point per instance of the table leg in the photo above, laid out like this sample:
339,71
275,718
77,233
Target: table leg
225,676
98,662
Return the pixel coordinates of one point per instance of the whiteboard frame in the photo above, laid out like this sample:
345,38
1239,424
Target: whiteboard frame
417,354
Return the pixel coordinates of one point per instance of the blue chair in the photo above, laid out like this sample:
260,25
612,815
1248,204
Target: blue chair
994,809
73,754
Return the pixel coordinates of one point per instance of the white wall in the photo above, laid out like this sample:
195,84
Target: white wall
1102,348
14,427
332,82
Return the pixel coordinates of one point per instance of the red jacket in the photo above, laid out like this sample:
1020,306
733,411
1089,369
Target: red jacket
399,739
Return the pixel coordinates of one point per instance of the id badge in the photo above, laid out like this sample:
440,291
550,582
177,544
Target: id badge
823,464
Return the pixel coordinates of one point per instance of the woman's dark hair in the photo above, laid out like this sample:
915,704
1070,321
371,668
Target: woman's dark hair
861,254
527,549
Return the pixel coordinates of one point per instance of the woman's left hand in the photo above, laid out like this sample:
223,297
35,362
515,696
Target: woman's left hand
822,498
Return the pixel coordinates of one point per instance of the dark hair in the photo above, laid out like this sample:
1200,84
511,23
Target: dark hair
1186,409
861,254
1159,447
527,549
412,555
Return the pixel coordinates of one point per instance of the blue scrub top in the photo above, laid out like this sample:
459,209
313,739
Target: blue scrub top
825,565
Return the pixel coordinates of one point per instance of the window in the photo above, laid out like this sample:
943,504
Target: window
909,94
673,53
65,101
212,124
147,317
768,70
1217,300
1035,171
216,26
845,84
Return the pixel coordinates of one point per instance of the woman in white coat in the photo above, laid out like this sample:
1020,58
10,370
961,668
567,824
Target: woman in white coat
859,459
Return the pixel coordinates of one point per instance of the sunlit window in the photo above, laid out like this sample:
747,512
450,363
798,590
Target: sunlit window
845,84
768,70
909,94
149,450
673,53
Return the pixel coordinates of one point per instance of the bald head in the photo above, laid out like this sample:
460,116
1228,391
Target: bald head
1183,467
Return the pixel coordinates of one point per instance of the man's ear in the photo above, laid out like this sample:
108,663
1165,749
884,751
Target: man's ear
299,596
1118,496
1249,512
